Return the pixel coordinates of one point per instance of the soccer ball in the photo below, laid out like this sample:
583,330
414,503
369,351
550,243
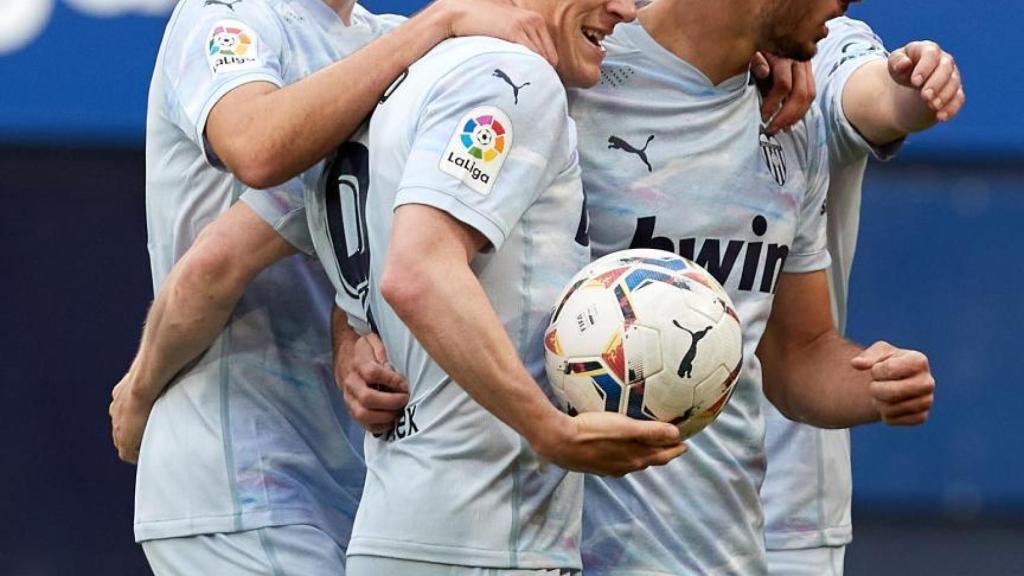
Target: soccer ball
648,334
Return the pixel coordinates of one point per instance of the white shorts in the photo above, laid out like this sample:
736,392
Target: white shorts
378,566
296,550
824,561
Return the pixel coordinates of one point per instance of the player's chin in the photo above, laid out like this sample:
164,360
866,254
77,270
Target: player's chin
800,51
583,69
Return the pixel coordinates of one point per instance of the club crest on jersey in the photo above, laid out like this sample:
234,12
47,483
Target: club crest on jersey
231,45
774,157
478,148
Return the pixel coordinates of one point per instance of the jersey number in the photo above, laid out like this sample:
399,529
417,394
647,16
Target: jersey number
347,184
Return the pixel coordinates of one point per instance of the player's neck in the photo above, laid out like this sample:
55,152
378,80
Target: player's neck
343,8
716,37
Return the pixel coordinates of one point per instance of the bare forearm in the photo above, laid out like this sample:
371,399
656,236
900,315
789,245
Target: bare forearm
287,130
197,298
186,317
881,109
816,383
471,345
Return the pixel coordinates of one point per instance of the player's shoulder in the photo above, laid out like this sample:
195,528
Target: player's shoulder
847,39
472,59
194,16
844,25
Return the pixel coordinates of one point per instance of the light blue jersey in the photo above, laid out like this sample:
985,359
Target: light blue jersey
335,211
478,129
254,434
672,162
808,487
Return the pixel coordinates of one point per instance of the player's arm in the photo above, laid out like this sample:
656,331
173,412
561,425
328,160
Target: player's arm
374,394
918,86
814,375
428,282
266,134
189,311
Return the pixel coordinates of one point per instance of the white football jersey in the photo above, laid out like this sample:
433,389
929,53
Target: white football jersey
335,210
675,163
254,433
479,129
808,487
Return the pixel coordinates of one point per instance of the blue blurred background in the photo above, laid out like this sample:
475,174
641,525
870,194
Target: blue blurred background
939,268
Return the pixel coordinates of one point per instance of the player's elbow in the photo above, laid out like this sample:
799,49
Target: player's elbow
257,169
775,378
776,395
209,268
403,283
258,177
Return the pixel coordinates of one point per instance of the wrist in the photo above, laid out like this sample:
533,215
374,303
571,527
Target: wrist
139,388
438,20
549,432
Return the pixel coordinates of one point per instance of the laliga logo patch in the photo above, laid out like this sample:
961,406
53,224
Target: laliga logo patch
231,45
478,148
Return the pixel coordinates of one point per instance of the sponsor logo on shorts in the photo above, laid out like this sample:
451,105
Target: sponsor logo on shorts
478,148
231,45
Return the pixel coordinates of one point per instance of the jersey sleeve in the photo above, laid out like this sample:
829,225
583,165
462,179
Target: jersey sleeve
284,209
849,45
212,48
483,151
810,248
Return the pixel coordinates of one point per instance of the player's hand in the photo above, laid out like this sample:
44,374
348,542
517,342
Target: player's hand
924,66
788,89
609,444
375,394
129,413
902,386
499,19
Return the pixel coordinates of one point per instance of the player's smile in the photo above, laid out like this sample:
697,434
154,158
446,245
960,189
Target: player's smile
595,37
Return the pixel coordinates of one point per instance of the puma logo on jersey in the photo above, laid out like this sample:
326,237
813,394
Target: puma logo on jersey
499,73
686,366
720,256
230,5
616,143
774,157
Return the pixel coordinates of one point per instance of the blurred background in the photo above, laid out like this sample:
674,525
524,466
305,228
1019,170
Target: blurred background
940,268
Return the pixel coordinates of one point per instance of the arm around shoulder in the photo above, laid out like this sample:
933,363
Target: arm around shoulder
266,135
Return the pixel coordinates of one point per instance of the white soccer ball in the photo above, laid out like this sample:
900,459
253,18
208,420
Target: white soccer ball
648,334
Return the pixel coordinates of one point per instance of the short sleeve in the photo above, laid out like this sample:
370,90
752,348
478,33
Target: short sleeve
849,45
491,136
810,248
212,48
283,208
